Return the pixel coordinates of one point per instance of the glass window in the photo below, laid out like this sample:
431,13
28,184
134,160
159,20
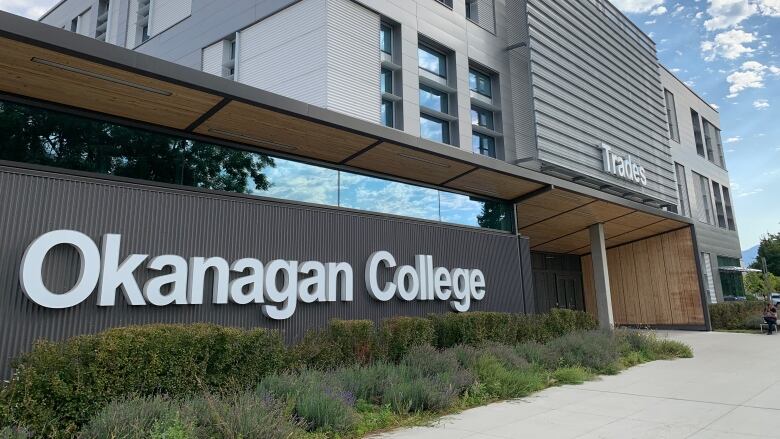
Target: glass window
703,198
671,116
719,209
713,142
434,129
434,99
386,81
462,209
471,9
729,209
682,189
386,113
697,133
482,117
480,83
707,128
383,196
483,144
386,39
61,140
432,61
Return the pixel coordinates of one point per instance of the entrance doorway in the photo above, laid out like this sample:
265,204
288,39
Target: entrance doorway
557,281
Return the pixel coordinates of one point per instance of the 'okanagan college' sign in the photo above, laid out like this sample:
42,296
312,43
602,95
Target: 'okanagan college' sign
625,168
276,286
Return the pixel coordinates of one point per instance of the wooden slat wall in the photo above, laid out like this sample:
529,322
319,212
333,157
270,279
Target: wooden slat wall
653,281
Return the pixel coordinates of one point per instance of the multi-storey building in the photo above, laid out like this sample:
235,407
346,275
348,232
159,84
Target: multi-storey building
524,141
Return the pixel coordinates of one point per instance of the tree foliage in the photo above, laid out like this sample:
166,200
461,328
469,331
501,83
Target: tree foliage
754,283
769,248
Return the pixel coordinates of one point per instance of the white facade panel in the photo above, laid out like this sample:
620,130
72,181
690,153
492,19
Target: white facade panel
166,13
287,53
213,57
132,25
353,60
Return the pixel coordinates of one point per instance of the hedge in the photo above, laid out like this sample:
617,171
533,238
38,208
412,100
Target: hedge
736,315
59,386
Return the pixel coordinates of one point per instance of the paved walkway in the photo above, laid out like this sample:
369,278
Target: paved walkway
725,391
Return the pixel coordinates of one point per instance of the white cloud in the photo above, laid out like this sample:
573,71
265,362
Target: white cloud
637,6
27,8
660,10
728,13
734,139
769,7
749,193
715,106
729,45
760,104
751,74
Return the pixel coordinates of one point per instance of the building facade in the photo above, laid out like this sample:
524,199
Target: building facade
317,159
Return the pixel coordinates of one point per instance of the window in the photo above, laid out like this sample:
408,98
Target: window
471,10
682,190
230,61
434,129
386,113
432,61
671,116
729,209
713,142
447,3
482,118
101,27
386,81
434,99
386,39
37,136
719,210
480,83
697,133
703,199
74,25
142,26
483,144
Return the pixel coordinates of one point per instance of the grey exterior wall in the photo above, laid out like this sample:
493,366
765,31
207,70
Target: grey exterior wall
595,79
712,239
159,220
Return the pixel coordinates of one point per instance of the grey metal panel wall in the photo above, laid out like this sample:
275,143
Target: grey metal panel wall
524,123
486,15
595,79
155,220
528,275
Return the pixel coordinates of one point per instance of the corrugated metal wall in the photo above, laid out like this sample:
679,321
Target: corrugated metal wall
155,220
166,13
595,79
520,82
213,57
486,15
353,60
287,53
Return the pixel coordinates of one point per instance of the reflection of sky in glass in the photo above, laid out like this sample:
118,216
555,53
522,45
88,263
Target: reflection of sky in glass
432,130
301,182
431,61
434,100
459,209
373,194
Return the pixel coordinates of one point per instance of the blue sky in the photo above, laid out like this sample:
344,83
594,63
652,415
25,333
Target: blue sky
726,50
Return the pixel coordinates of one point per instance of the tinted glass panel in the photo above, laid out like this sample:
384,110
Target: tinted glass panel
432,61
461,209
386,113
483,144
434,129
480,117
50,138
385,39
480,83
433,99
377,195
386,81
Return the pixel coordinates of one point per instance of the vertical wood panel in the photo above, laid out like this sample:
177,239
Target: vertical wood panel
589,287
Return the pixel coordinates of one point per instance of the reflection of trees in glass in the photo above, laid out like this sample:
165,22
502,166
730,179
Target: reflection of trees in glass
67,141
494,215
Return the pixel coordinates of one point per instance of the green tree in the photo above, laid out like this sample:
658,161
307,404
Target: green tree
769,248
55,139
754,283
494,216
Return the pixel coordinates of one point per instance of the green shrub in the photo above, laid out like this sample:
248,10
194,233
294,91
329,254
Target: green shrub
598,351
533,352
473,328
241,415
399,334
496,381
341,343
57,387
368,383
315,398
734,315
570,375
13,433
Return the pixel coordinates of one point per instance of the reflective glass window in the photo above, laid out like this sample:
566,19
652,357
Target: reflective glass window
434,99
378,195
432,61
434,129
462,209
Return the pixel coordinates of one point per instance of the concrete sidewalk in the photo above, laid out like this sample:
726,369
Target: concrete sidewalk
728,390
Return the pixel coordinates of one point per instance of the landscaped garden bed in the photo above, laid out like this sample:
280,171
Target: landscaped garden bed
350,379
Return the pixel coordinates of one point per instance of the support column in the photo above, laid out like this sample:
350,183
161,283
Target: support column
598,253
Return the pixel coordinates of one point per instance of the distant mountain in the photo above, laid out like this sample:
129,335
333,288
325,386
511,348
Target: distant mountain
750,255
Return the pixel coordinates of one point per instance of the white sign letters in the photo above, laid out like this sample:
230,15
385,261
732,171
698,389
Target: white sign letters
276,286
625,168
